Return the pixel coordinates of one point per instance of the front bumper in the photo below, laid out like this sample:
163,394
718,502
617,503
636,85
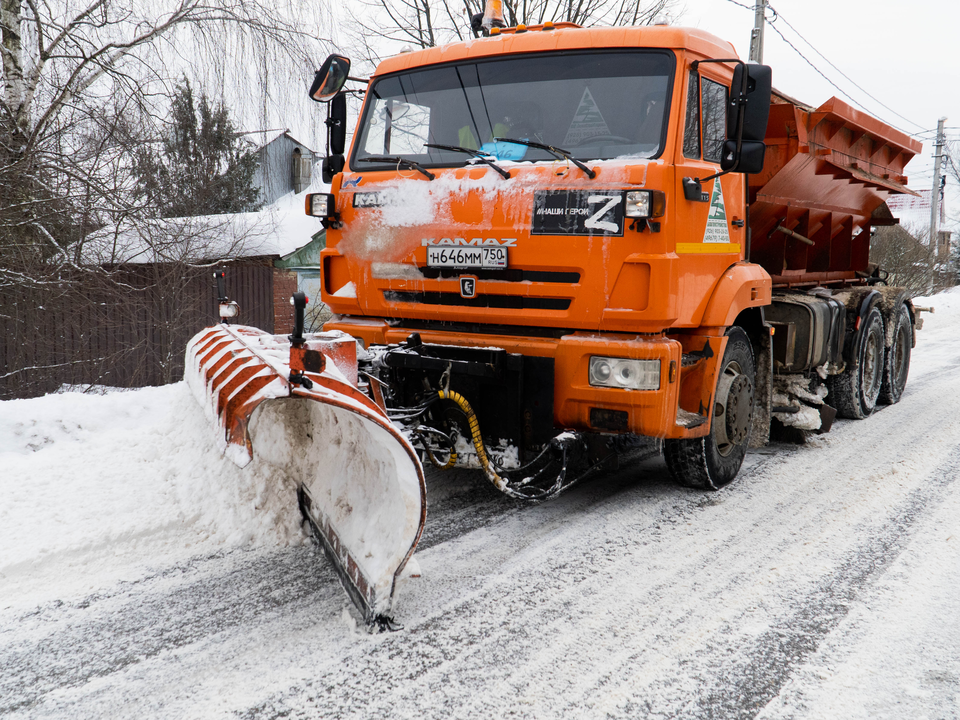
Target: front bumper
577,405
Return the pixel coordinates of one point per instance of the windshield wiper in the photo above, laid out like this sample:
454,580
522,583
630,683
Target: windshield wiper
558,153
482,157
401,161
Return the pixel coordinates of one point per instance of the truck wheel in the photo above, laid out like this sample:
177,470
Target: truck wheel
896,359
856,389
710,462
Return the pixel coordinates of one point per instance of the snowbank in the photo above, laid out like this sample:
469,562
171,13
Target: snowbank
97,487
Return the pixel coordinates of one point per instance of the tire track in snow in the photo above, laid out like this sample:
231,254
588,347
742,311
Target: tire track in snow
644,587
676,636
748,686
69,645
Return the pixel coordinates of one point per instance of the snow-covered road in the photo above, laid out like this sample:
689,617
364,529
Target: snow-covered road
143,576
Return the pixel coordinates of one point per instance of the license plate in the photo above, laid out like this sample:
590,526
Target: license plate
467,257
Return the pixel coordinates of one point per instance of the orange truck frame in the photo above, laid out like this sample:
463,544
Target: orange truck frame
552,239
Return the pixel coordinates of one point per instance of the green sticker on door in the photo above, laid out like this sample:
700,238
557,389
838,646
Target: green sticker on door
716,230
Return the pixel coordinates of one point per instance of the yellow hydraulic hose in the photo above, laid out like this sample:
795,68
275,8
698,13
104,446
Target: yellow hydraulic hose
451,461
488,470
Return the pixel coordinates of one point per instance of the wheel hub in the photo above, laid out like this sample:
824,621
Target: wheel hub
871,364
733,411
739,404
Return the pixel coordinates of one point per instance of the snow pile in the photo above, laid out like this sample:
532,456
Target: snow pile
934,341
136,474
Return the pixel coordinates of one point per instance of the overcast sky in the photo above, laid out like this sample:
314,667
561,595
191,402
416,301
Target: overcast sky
904,54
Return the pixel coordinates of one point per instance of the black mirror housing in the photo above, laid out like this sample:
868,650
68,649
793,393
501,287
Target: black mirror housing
748,111
754,104
750,160
330,78
337,122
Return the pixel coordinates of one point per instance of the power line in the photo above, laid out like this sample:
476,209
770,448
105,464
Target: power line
739,4
820,72
779,16
953,165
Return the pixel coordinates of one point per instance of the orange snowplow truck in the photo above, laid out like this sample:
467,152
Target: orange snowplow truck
551,240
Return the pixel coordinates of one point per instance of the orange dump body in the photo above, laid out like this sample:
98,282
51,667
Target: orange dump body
825,173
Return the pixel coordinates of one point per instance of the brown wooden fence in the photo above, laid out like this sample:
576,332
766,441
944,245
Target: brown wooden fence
127,328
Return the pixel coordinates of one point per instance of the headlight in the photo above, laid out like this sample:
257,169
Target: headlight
645,204
321,205
623,373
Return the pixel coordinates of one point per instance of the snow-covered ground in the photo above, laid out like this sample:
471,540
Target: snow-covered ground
142,575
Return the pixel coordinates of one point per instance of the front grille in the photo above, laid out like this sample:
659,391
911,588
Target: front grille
506,302
506,275
481,328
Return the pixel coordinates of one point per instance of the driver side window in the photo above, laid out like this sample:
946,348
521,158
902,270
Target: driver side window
706,107
713,98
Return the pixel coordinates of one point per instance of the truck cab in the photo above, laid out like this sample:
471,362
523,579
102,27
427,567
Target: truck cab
553,222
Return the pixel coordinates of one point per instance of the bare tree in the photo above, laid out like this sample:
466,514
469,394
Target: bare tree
80,90
428,23
906,259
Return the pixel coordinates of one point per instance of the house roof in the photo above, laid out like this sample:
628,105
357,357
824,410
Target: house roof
277,230
275,135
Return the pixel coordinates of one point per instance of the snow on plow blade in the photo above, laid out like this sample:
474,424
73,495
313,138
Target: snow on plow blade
297,408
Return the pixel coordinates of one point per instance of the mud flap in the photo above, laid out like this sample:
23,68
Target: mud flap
360,484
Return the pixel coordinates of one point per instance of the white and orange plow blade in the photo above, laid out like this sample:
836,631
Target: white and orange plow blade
360,483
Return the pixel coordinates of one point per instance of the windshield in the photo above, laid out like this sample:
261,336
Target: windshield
597,105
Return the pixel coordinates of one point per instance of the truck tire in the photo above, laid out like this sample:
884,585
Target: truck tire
896,358
855,391
710,462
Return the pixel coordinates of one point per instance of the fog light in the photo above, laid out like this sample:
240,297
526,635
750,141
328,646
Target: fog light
229,309
600,370
623,373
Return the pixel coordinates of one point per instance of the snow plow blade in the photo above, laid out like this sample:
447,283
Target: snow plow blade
296,406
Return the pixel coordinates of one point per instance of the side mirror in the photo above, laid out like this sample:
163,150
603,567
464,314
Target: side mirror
336,137
747,113
330,78
337,122
749,160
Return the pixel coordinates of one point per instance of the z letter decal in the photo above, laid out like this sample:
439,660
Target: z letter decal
578,212
594,222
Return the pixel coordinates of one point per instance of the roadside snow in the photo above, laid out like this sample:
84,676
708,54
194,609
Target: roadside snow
95,488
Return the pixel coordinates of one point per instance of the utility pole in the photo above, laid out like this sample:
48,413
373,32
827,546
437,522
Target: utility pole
935,193
935,204
756,37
